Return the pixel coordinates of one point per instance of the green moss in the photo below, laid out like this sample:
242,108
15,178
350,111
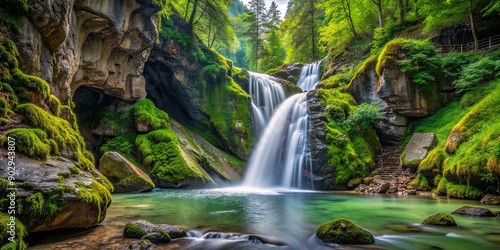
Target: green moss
30,88
370,62
145,111
41,206
59,130
420,183
123,144
20,231
352,145
463,192
96,194
31,142
133,231
440,219
432,164
164,159
343,231
55,105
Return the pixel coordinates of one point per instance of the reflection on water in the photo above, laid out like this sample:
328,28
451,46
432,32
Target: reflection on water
293,217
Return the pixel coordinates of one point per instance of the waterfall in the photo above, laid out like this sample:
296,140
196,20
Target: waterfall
266,94
282,153
309,76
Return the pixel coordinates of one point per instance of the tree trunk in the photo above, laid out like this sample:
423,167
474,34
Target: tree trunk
346,4
379,12
313,38
193,13
401,12
471,14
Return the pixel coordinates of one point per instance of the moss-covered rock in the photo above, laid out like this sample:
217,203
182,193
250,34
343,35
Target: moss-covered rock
473,211
142,229
490,199
343,231
124,175
440,219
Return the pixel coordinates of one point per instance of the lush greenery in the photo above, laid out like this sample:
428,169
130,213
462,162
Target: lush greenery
352,140
440,219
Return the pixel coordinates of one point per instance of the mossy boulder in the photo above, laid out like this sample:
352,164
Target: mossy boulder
343,231
490,199
56,194
143,229
124,175
440,219
473,211
10,228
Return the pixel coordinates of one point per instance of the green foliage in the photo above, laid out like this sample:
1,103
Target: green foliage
422,62
484,70
123,144
463,192
364,115
352,143
343,231
382,36
145,111
20,231
43,206
170,32
454,63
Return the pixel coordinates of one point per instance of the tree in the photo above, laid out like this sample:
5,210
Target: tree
257,18
472,28
346,5
379,12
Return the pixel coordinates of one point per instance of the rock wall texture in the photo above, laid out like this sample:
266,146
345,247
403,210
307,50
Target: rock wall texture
72,43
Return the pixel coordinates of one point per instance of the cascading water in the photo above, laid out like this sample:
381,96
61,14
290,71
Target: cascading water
282,154
309,76
266,94
282,157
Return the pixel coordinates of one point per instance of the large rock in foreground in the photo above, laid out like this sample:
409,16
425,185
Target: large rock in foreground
440,219
125,176
55,194
473,211
343,231
418,147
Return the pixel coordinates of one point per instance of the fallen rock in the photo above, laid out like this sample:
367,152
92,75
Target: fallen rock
142,228
124,175
473,211
418,147
412,192
343,231
383,188
353,183
392,190
143,245
490,199
440,219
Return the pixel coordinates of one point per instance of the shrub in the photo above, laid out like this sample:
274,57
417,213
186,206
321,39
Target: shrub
364,115
476,73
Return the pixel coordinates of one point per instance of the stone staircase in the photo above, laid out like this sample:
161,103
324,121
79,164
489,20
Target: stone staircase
387,162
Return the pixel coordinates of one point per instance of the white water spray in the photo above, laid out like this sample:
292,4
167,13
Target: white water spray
309,76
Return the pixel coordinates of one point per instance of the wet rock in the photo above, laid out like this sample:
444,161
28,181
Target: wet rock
143,245
124,175
157,237
353,183
412,192
473,211
404,229
383,188
440,219
142,127
141,228
490,199
368,180
392,190
349,233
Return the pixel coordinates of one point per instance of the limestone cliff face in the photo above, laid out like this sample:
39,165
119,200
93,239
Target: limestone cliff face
71,43
399,99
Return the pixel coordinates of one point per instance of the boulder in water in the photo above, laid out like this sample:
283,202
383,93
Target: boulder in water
343,231
152,232
440,219
473,211
490,199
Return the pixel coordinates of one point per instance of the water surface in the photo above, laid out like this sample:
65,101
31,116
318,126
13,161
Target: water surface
293,217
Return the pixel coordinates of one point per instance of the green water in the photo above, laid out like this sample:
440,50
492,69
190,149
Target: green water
293,217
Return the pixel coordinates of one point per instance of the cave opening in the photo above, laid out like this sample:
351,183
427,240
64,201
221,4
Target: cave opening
92,106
